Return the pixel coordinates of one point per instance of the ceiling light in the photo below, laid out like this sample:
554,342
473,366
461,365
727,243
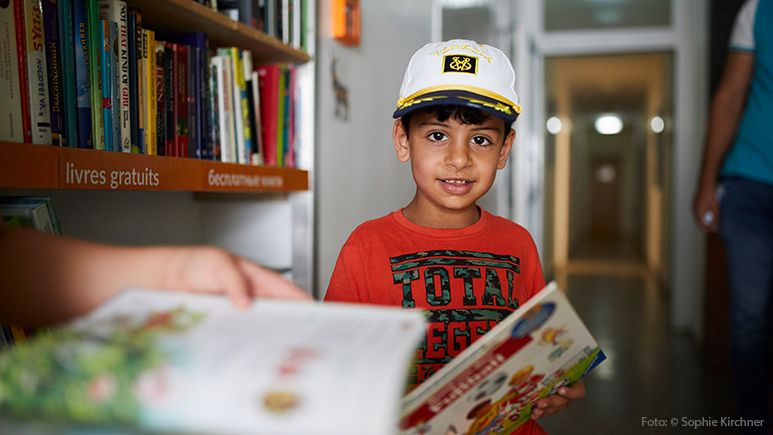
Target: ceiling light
609,124
657,124
553,125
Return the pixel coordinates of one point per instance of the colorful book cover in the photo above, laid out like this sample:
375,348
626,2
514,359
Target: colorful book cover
67,67
491,386
160,98
11,124
150,91
37,77
181,100
106,72
53,57
95,64
81,37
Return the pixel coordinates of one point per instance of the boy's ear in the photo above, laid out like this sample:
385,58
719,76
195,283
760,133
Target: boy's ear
504,152
400,138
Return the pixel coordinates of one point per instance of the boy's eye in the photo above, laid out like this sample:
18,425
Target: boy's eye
437,136
481,140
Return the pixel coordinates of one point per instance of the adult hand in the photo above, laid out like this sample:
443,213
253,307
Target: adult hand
557,402
213,270
706,208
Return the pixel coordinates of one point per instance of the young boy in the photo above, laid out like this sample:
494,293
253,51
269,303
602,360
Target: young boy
442,253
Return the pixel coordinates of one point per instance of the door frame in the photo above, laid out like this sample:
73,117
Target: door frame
686,38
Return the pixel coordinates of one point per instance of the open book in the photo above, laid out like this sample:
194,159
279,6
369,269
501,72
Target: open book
178,362
491,386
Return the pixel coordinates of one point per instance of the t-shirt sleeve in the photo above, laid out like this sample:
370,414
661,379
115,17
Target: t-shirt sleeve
346,283
536,277
742,38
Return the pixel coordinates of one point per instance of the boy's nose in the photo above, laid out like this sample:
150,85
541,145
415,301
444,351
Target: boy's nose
458,155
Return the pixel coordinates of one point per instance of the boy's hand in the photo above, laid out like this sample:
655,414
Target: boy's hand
557,402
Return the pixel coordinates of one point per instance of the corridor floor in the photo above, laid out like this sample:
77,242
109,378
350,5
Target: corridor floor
650,373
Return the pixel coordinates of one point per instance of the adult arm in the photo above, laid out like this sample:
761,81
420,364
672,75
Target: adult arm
726,108
46,279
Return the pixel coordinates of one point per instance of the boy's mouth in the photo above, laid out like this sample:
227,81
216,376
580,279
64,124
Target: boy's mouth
456,186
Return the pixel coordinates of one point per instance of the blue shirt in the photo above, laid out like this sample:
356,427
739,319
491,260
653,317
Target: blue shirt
751,155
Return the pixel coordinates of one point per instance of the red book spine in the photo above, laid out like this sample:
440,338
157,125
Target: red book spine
21,53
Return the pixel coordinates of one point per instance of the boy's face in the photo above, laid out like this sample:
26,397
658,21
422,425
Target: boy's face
453,164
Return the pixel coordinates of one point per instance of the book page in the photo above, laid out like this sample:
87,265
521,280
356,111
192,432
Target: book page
195,363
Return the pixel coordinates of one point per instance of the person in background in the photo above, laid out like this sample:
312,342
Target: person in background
47,279
443,253
735,197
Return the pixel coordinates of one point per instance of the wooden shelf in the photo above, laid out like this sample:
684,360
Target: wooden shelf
189,16
28,166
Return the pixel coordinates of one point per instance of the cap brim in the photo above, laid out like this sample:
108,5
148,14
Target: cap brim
459,98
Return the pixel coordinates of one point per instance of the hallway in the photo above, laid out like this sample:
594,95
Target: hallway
649,372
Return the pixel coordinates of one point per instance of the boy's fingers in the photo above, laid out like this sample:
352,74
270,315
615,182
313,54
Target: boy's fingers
573,392
267,284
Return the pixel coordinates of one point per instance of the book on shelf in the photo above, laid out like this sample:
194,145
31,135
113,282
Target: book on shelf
12,69
37,77
176,362
492,385
50,11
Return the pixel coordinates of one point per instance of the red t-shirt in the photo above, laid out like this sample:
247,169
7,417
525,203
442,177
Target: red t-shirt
466,279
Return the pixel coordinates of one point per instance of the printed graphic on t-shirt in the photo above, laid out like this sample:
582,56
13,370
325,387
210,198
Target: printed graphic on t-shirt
464,294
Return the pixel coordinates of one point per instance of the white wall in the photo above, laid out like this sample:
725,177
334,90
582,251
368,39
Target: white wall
357,175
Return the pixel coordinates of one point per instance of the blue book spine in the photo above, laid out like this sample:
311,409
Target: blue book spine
51,38
115,88
67,67
107,82
82,82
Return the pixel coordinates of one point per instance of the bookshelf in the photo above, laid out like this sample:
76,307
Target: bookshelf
46,167
260,212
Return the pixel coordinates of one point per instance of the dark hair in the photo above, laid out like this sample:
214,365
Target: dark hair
465,115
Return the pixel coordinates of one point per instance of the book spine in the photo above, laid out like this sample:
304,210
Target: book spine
170,59
107,83
208,140
193,98
214,109
21,53
134,134
280,118
245,70
95,62
229,123
81,38
115,87
40,115
139,37
117,12
260,159
160,99
67,67
51,37
236,71
11,124
181,100
150,94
